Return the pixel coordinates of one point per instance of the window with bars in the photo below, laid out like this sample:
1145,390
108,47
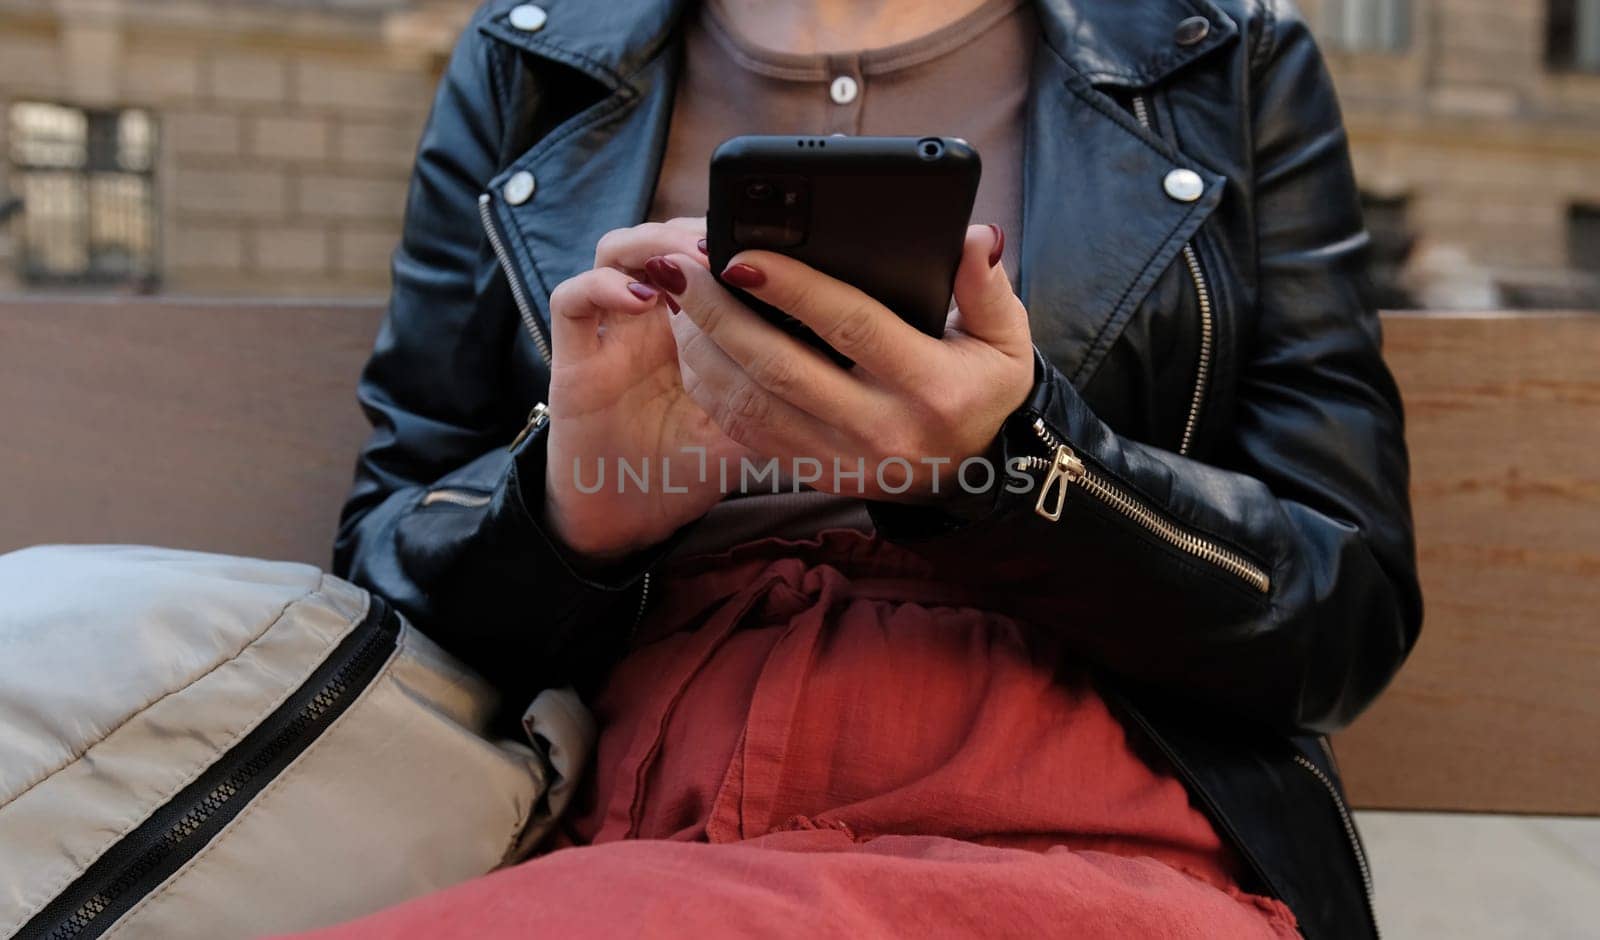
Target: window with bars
1572,35
1366,25
86,183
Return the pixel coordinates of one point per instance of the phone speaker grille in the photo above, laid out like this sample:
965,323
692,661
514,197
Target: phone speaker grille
804,142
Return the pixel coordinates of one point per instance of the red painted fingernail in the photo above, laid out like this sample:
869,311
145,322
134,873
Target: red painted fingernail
642,291
666,275
999,245
671,304
743,275
701,244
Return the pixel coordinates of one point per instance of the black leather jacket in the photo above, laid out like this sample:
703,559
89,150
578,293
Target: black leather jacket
1219,433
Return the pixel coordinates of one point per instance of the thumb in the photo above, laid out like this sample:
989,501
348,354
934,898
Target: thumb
986,306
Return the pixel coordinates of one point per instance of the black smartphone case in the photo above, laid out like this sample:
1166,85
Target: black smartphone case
887,215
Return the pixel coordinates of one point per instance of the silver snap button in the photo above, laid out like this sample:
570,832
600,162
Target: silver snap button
528,18
519,188
1192,30
1184,185
843,90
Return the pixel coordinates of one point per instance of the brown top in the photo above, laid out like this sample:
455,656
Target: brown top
968,80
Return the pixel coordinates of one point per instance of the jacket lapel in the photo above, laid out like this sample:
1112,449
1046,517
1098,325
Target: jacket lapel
597,170
1098,227
595,174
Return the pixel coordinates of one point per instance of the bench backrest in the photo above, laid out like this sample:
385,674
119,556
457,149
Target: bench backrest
232,428
215,426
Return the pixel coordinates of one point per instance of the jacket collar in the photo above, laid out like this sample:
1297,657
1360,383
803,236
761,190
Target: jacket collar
1127,43
1091,250
610,40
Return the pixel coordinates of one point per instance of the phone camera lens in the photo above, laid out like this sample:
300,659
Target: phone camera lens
759,191
931,148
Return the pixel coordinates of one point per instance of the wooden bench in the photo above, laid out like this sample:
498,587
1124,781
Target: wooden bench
232,427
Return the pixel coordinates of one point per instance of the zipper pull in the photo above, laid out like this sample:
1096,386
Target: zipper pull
539,415
1065,470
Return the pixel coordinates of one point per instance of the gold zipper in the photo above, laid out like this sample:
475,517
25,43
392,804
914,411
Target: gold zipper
1202,373
524,309
1064,468
539,415
1191,259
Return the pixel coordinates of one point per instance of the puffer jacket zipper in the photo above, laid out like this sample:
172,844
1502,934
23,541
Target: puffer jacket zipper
1202,290
530,320
144,858
1064,468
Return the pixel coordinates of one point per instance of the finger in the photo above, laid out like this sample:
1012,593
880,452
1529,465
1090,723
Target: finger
986,306
778,362
748,414
580,305
696,223
627,249
845,318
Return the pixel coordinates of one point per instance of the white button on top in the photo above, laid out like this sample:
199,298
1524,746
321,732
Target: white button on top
1184,185
519,188
528,18
843,90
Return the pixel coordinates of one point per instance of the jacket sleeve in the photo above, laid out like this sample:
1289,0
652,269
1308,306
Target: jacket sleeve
442,519
1279,581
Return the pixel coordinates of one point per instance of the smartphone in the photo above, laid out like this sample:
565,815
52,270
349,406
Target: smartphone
887,215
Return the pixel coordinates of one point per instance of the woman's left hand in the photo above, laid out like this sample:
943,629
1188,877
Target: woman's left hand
909,412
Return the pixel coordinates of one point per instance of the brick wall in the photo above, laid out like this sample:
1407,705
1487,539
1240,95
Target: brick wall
287,128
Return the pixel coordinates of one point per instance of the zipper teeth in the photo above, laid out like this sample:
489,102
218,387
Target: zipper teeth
1191,258
529,321
218,798
1182,539
1349,832
1202,372
456,498
644,600
1141,111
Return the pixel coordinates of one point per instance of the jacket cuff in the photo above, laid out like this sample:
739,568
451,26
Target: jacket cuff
910,523
529,462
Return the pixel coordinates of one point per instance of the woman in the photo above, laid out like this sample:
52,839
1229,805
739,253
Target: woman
1096,701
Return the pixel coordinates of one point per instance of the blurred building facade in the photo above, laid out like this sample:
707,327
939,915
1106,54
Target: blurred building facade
261,146
255,147
1475,127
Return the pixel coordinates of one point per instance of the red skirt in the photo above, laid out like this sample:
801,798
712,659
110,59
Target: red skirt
820,738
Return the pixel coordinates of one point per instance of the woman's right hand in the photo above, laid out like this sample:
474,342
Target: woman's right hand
616,395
